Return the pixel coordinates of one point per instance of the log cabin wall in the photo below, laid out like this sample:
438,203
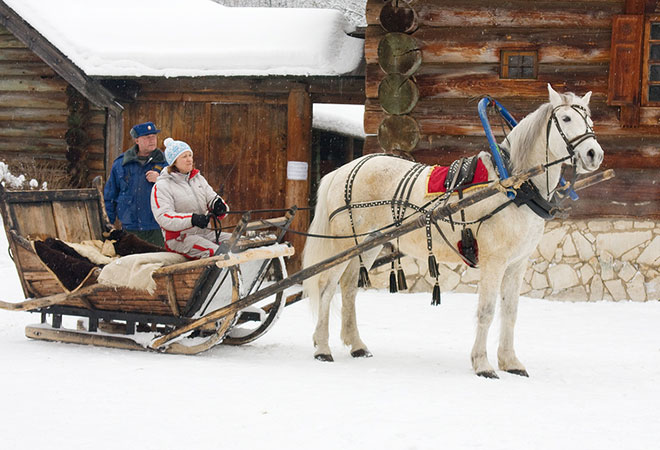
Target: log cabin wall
34,115
461,44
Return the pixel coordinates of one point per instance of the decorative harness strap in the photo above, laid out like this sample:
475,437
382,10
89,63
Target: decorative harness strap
398,204
363,280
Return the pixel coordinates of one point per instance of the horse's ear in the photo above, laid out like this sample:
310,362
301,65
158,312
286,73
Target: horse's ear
586,98
555,98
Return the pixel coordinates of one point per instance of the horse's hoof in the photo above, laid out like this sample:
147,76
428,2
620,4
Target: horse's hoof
521,372
487,374
362,353
324,357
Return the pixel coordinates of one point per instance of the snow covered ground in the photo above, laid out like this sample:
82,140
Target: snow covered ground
595,377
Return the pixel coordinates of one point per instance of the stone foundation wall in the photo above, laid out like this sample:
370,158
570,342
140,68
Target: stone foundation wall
577,260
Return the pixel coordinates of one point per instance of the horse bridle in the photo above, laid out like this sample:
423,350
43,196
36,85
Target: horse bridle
570,143
577,140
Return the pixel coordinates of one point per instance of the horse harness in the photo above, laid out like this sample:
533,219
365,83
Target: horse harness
460,174
459,177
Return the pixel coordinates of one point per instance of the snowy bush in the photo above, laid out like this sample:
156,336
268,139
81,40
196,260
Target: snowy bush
10,181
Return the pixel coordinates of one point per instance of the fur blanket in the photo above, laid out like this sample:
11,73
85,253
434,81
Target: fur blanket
135,271
70,268
78,264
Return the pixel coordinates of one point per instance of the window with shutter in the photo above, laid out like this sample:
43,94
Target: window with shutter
651,65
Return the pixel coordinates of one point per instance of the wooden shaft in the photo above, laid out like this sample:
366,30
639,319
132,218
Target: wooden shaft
593,179
346,255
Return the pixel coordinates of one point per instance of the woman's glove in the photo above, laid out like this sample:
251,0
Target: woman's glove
220,208
200,220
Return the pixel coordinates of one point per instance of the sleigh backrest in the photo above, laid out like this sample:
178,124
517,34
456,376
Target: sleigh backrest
72,215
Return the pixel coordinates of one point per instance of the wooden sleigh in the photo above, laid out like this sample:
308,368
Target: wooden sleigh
128,318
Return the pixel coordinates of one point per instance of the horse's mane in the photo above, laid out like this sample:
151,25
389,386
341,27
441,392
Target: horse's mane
529,131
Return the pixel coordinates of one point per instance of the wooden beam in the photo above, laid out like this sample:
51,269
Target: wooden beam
298,155
114,137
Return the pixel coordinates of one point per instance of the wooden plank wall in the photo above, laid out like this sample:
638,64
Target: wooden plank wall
33,111
461,43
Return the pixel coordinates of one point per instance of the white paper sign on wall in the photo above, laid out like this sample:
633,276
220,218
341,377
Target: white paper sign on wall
296,170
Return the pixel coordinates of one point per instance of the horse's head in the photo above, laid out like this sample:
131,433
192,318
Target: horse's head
570,131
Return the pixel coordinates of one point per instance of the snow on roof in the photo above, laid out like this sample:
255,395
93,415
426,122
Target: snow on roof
193,37
343,119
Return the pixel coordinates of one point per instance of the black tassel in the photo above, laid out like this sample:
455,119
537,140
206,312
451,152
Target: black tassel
401,278
436,294
363,280
433,267
393,286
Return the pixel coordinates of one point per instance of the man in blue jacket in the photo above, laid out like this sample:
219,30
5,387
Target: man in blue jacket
128,190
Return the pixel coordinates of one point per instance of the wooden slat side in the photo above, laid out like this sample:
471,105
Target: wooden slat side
71,221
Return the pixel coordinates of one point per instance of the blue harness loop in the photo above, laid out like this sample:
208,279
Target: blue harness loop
484,103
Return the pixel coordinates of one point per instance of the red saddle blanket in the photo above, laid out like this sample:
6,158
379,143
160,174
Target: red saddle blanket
435,183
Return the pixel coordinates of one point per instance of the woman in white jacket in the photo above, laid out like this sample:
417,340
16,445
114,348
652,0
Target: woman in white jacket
182,201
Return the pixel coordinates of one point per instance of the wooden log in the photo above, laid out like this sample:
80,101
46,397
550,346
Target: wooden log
9,41
518,13
399,53
633,194
398,16
49,100
463,112
345,256
29,84
475,81
397,94
25,69
19,55
54,149
624,151
483,45
33,115
398,133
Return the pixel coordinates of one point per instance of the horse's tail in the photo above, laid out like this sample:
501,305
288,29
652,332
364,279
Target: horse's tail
318,249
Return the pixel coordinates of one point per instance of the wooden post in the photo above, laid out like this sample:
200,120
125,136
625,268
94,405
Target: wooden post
298,155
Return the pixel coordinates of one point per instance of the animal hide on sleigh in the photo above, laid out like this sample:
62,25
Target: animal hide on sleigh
78,265
70,268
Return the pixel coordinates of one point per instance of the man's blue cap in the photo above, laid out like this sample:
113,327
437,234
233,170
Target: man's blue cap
144,129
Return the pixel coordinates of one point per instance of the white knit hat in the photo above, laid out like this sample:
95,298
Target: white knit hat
173,149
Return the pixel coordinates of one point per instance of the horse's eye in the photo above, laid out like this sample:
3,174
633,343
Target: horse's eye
566,119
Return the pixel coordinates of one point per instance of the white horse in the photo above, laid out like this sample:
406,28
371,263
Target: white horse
558,129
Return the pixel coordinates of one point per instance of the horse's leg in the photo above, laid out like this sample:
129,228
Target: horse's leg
327,286
506,355
349,331
492,271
